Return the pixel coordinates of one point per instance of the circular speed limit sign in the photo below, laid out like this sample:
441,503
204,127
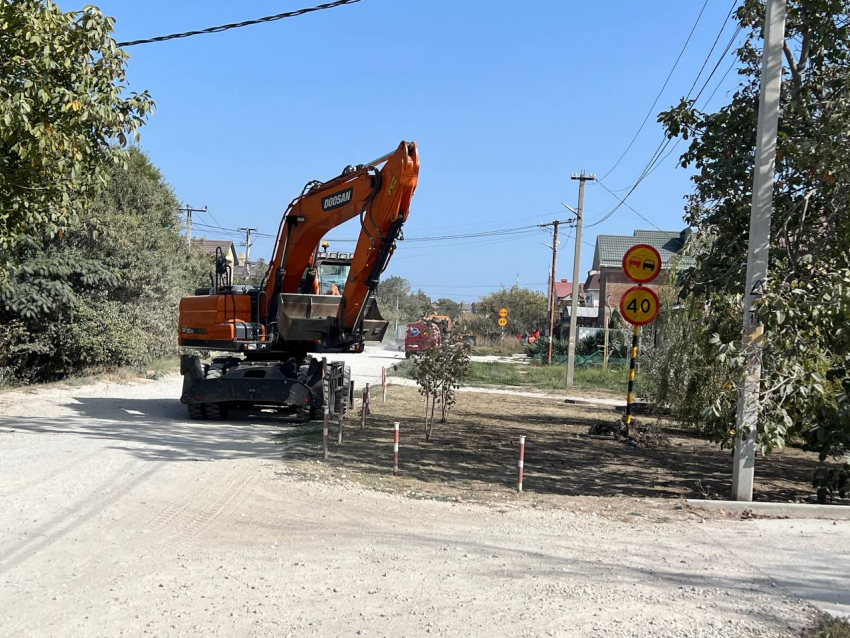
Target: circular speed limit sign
639,305
503,322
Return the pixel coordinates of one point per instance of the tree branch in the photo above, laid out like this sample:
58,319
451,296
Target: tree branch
795,71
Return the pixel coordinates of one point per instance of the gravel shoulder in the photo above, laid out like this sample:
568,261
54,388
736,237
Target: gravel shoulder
121,517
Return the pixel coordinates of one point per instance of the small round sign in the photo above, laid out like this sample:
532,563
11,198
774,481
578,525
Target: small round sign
503,312
503,322
639,305
641,263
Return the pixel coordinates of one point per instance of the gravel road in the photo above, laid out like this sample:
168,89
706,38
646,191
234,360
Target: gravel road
121,517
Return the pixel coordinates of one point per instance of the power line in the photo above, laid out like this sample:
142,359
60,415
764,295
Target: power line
719,33
663,86
658,156
237,25
536,283
628,206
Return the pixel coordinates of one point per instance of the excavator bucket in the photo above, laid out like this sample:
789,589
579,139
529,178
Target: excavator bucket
302,317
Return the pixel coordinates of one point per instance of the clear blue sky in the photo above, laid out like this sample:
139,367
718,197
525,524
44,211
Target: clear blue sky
505,100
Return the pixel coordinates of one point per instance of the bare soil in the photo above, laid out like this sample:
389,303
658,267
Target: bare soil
474,455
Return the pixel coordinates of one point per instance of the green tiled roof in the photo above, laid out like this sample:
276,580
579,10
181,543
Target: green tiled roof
611,248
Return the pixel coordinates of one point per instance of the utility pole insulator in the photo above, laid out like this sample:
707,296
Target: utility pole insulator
248,243
189,210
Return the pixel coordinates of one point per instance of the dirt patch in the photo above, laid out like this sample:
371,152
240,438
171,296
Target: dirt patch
474,456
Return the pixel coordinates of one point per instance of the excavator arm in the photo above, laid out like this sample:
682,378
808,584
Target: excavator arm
379,193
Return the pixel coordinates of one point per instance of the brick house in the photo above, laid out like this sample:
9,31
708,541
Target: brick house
608,263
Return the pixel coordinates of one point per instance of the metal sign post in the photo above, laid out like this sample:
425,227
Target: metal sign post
639,306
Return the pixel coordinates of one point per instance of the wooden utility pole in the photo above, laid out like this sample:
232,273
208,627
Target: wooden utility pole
746,425
571,348
552,280
189,210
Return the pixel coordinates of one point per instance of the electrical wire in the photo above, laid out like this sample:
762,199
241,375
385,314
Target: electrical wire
237,25
714,44
627,205
661,91
658,156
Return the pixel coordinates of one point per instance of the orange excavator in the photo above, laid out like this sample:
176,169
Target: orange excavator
311,301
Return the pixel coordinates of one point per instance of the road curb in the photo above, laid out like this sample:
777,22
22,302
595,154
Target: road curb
792,510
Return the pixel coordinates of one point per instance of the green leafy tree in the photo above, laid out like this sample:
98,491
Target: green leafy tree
438,372
398,302
806,305
448,307
257,274
121,309
527,311
65,119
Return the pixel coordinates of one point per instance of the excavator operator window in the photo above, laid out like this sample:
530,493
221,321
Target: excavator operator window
332,278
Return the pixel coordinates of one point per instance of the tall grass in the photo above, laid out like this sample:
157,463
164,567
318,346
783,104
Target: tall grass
498,347
538,377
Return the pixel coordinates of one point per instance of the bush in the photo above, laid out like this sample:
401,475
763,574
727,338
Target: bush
438,372
105,294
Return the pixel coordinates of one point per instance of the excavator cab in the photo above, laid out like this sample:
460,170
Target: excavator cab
332,272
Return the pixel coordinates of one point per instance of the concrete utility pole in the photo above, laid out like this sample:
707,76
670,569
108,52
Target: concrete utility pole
552,280
189,210
248,232
743,468
571,348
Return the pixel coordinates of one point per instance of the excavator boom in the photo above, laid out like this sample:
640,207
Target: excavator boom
381,198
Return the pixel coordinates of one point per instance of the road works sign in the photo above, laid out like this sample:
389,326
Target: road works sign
641,263
639,305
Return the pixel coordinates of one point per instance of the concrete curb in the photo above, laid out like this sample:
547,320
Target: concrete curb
791,510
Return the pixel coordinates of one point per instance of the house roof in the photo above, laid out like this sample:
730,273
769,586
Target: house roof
564,288
592,282
210,246
669,243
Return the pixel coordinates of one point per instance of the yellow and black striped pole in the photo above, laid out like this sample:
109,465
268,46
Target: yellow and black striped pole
630,397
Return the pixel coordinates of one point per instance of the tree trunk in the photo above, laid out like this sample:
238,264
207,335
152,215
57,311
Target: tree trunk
427,432
443,408
431,427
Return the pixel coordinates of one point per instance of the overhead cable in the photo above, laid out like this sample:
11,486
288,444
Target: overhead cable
237,25
660,92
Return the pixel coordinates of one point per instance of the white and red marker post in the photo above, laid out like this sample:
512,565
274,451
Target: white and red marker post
395,448
384,383
325,435
339,432
364,408
520,463
326,389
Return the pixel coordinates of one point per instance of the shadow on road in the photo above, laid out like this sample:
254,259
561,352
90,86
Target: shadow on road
159,429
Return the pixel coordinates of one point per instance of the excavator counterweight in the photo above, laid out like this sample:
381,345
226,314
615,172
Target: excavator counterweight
311,301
